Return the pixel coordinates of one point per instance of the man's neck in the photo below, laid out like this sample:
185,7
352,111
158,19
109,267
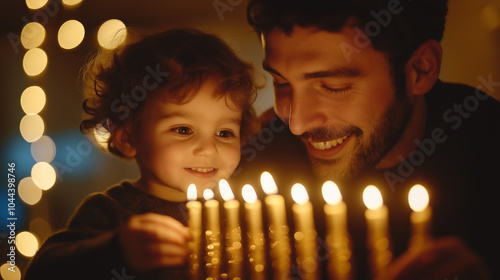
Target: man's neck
406,144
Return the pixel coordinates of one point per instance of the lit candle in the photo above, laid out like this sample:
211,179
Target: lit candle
305,234
418,199
278,228
212,235
233,231
194,208
377,219
338,240
253,214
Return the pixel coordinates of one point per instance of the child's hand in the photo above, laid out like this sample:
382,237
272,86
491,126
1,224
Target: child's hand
153,240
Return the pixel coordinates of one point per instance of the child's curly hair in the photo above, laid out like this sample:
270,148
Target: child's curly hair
176,63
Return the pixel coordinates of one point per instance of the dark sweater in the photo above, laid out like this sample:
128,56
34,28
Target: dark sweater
89,248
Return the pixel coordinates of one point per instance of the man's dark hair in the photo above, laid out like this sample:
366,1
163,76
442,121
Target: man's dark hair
415,22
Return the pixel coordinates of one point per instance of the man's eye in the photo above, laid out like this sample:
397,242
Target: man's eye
335,90
183,130
225,134
280,85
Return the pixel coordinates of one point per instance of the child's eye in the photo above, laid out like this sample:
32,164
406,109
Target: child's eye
183,130
225,134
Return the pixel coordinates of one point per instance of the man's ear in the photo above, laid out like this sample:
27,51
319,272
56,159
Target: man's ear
123,140
422,69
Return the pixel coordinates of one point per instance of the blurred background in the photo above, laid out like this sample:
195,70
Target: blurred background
56,166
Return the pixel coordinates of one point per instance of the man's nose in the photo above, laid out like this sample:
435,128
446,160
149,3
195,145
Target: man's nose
304,112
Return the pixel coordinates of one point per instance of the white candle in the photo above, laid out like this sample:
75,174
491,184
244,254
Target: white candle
278,228
233,231
418,198
338,240
212,235
377,219
305,233
255,234
194,208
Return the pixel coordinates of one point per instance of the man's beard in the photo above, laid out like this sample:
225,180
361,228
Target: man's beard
388,130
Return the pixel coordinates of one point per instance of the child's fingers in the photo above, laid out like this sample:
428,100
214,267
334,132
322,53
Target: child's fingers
168,254
166,222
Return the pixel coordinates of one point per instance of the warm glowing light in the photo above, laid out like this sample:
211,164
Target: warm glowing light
490,17
13,274
71,2
33,100
31,127
331,193
32,35
418,198
191,192
268,184
101,136
208,194
36,4
225,190
71,34
248,194
299,194
29,191
34,62
111,34
44,175
43,149
26,243
372,197
41,228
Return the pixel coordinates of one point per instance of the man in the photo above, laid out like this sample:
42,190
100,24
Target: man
356,82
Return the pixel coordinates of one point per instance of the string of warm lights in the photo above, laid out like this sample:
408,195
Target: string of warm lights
70,35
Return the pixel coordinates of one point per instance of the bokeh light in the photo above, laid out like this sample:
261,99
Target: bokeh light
31,127
33,100
71,34
44,175
32,35
34,61
26,243
490,17
71,2
36,4
41,228
7,274
111,34
43,149
101,136
28,191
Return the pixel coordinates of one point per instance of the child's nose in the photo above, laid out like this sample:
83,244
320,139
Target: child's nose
205,147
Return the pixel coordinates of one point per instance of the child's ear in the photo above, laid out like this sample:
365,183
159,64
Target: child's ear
422,69
122,138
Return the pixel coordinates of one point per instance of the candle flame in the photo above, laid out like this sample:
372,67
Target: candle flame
249,194
225,190
299,194
418,198
372,197
208,194
268,184
331,193
191,192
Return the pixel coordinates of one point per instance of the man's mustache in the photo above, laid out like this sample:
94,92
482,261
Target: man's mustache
321,134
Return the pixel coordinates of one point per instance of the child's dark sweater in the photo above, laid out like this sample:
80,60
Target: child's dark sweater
89,248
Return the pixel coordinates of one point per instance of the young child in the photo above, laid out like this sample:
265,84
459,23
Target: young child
179,103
